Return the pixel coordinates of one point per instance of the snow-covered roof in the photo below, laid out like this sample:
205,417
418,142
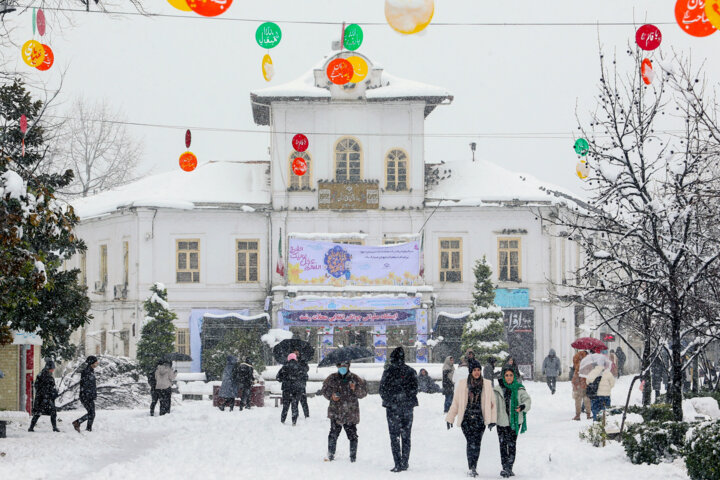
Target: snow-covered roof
238,184
473,183
378,86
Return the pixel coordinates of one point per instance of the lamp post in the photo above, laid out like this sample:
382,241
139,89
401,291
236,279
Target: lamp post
473,146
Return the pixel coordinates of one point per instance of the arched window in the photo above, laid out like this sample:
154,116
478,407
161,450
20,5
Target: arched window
298,182
396,170
348,160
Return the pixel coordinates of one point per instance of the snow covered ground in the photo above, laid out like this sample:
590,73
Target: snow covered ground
199,441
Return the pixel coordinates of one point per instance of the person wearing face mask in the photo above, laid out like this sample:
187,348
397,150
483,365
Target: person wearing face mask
474,407
343,389
513,403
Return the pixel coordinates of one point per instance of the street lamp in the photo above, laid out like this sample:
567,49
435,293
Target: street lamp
473,145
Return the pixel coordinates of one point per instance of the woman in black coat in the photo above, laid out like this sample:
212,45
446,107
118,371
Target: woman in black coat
45,394
88,393
292,377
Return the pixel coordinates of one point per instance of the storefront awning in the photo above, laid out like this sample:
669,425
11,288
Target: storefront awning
25,338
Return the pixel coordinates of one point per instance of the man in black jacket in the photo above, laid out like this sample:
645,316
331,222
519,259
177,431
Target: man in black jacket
88,393
398,390
45,395
245,381
291,377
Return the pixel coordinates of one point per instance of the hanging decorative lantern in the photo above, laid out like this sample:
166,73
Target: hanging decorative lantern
268,35
581,147
40,21
180,5
339,71
299,166
646,71
268,70
360,68
209,8
32,53
188,161
582,169
409,16
300,142
691,17
48,60
188,138
712,12
352,37
648,37
23,124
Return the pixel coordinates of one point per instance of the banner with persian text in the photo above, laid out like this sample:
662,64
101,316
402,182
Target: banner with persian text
313,262
329,318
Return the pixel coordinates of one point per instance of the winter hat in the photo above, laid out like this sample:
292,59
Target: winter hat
50,365
91,359
292,356
397,356
473,364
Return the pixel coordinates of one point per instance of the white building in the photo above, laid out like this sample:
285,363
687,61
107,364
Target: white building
211,236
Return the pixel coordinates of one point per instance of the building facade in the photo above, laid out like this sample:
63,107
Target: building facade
218,237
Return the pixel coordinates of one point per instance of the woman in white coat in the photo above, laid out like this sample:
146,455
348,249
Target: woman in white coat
473,408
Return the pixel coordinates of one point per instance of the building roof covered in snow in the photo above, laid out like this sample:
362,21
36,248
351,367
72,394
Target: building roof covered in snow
229,184
474,183
377,86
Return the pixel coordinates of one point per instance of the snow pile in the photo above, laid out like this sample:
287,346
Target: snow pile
155,298
613,422
275,336
119,384
705,406
12,184
479,325
434,341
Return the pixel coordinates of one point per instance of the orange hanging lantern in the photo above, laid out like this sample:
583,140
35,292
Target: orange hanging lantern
691,16
646,71
32,53
48,60
340,71
299,167
188,161
209,8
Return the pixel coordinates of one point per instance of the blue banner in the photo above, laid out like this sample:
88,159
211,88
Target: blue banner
512,297
342,318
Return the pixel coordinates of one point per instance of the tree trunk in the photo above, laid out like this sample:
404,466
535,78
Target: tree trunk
645,370
696,375
675,393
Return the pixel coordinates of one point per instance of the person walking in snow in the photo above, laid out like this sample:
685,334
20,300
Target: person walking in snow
45,394
513,403
579,387
164,376
621,358
511,363
658,374
474,408
245,377
303,395
600,400
88,393
448,369
489,370
551,369
153,391
229,386
343,389
292,378
398,390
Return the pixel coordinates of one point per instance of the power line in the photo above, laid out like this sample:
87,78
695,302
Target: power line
339,23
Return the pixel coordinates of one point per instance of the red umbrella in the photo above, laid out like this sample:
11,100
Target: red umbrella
589,343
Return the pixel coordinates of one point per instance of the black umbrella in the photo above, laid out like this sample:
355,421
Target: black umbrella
286,347
345,354
177,357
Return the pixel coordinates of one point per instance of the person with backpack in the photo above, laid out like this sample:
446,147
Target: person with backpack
600,382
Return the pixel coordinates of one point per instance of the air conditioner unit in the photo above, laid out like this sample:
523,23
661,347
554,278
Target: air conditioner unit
119,292
99,287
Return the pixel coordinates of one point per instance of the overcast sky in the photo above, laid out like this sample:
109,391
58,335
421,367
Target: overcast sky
516,87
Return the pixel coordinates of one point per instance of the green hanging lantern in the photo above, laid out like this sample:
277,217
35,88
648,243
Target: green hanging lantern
268,35
582,147
353,37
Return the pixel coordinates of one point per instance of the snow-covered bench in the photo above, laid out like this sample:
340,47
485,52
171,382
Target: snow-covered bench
9,417
192,390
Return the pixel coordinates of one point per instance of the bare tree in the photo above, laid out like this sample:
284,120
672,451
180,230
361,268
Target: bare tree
96,145
649,226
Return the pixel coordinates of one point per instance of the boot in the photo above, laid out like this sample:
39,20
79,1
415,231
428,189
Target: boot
76,425
33,422
353,450
576,417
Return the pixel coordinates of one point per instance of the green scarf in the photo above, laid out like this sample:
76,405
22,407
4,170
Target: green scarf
515,416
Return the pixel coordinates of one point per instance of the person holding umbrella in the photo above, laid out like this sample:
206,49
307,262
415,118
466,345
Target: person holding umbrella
164,377
45,394
343,389
579,386
398,390
303,393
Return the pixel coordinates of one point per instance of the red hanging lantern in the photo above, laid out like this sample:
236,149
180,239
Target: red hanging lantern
300,142
48,60
340,71
299,166
648,37
646,71
209,8
188,161
188,138
23,123
40,20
